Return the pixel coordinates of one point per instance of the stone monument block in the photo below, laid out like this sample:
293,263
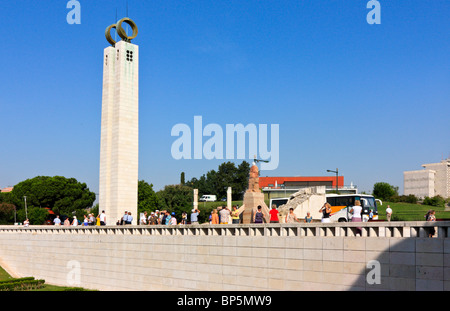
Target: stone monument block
253,198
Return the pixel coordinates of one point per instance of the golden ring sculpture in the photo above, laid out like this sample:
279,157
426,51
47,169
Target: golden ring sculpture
120,31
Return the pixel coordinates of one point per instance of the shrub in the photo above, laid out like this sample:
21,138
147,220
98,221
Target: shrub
437,201
22,284
412,199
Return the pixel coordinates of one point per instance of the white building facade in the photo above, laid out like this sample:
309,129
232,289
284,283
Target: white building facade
433,180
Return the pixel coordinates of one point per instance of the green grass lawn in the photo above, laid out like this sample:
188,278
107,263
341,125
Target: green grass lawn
410,212
4,276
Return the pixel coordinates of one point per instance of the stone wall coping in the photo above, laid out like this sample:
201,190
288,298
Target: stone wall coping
366,229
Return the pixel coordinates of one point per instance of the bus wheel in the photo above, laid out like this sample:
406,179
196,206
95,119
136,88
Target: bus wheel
342,220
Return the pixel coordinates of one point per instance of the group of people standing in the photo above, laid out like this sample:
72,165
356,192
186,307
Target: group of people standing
222,215
162,217
89,220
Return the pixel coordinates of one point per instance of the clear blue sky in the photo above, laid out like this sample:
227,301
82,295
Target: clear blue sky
371,100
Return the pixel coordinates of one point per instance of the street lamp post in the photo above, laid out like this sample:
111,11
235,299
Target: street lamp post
337,179
26,212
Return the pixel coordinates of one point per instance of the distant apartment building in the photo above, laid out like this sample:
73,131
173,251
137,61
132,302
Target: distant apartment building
433,180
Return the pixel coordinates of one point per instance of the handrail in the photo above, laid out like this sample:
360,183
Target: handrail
410,229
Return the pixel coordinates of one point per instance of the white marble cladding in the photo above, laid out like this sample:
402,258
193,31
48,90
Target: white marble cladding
119,132
230,257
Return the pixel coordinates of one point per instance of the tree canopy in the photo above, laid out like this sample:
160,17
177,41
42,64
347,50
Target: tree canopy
176,198
60,194
147,198
217,182
384,191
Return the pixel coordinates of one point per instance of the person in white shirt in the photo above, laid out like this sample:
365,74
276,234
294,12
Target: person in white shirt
356,211
388,213
143,220
103,219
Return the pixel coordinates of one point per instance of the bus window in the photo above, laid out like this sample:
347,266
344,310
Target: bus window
278,202
331,201
368,204
344,201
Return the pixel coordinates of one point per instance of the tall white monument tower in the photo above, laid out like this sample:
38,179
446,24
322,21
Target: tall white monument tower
118,182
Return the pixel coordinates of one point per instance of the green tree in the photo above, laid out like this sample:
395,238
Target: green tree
5,197
182,178
36,215
62,195
7,212
217,182
384,191
176,198
147,198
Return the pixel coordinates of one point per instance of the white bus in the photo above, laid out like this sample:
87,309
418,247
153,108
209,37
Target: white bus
341,206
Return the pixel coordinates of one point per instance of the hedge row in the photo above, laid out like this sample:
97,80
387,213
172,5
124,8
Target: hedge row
30,278
22,284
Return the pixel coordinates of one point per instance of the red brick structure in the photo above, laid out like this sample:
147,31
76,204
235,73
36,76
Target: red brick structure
300,181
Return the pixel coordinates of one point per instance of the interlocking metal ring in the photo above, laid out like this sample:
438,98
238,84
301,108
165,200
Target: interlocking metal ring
120,31
108,35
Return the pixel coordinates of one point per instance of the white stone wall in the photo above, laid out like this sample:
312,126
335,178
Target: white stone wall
220,258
